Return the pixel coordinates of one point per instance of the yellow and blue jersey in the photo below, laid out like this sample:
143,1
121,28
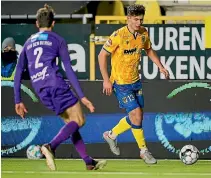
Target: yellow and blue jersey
125,49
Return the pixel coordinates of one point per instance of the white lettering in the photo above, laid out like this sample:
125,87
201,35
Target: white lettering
79,56
40,75
146,69
35,44
171,39
42,42
194,65
209,67
197,38
183,38
167,65
160,39
29,47
48,43
180,67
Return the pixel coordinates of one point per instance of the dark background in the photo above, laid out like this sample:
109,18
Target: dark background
155,94
191,100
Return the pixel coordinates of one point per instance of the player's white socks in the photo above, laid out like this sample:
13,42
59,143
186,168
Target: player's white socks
142,151
112,135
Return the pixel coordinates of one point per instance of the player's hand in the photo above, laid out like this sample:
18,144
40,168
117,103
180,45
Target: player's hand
107,87
165,72
21,109
88,104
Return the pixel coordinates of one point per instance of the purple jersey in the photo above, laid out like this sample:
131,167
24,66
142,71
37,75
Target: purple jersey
39,54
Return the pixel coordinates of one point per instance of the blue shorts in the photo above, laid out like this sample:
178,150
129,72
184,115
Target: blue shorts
57,98
130,96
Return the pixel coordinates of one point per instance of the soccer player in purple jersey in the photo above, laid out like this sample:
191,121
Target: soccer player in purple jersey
39,54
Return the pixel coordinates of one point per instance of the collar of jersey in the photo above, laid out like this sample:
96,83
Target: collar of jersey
134,34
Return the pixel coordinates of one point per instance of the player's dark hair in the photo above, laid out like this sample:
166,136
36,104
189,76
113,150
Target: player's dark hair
136,10
45,16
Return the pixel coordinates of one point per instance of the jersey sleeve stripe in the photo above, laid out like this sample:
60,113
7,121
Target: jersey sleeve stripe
106,50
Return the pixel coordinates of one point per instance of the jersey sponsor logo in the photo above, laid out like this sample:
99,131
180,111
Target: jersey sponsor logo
43,37
39,36
130,51
40,75
34,38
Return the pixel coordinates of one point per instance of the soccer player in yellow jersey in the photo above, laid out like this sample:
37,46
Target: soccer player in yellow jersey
125,46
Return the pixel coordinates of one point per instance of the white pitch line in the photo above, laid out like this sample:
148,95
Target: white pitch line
24,159
107,173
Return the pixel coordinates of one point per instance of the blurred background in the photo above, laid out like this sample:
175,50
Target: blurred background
177,111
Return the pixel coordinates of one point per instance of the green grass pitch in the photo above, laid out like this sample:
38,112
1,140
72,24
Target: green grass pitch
23,168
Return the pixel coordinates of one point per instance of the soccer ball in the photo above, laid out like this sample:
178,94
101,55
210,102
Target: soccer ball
34,152
189,154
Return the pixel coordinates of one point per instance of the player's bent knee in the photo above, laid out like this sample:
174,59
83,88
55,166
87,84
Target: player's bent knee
74,113
136,116
136,121
132,114
81,121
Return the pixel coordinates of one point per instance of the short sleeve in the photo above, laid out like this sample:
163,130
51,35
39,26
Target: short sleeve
147,42
112,43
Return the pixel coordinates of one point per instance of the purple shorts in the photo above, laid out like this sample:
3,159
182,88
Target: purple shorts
58,98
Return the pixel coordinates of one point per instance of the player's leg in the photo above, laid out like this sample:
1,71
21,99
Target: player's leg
73,119
63,100
75,114
45,98
67,106
123,125
136,117
111,136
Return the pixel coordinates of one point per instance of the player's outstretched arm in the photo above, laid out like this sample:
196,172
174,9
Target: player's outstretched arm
19,106
102,59
154,57
63,52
